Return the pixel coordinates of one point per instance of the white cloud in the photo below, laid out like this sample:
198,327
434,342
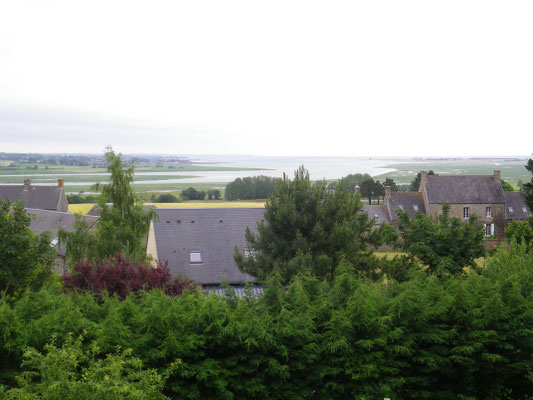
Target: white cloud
281,77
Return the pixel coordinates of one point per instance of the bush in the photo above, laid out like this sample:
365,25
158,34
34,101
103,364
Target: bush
464,336
167,198
119,276
71,373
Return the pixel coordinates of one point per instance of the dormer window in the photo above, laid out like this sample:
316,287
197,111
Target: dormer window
415,207
488,211
511,210
195,257
466,212
524,209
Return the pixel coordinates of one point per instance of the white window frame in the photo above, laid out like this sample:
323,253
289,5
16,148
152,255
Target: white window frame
511,209
466,212
193,259
488,211
489,230
524,209
415,207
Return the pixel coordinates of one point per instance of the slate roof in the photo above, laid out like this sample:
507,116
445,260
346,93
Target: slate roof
379,213
51,221
516,202
410,202
214,232
38,197
45,220
464,189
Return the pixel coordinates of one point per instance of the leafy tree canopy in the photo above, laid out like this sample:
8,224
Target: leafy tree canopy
167,198
26,259
122,225
520,231
214,194
309,229
71,373
250,188
193,194
507,187
447,244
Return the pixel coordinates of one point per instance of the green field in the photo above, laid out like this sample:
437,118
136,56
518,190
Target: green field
511,170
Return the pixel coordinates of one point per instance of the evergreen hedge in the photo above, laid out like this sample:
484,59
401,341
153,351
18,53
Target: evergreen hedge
466,336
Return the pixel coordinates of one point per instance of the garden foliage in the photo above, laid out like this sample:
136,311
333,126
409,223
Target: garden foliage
466,336
121,227
445,245
119,276
26,259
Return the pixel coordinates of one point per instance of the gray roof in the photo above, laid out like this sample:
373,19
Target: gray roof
516,202
464,189
379,213
39,197
51,221
214,232
410,202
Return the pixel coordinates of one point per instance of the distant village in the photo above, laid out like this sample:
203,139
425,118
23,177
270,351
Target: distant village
199,243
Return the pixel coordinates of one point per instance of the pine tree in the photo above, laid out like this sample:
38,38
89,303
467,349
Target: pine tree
309,229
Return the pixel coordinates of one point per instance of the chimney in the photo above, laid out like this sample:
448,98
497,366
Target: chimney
388,191
423,180
60,183
27,183
497,175
357,189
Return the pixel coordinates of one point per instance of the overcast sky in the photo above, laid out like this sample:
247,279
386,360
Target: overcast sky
351,78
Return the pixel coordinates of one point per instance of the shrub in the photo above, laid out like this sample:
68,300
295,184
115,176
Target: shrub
119,276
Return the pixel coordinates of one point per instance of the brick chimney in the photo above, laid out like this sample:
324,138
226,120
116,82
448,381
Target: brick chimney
27,183
60,183
497,175
388,191
357,189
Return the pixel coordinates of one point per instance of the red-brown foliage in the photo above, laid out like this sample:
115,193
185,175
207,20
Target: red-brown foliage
119,276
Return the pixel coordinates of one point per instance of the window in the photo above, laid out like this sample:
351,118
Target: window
487,230
415,207
195,257
487,209
524,209
400,207
465,212
510,209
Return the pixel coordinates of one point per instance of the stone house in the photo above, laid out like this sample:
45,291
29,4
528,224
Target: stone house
51,198
515,207
51,221
467,195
